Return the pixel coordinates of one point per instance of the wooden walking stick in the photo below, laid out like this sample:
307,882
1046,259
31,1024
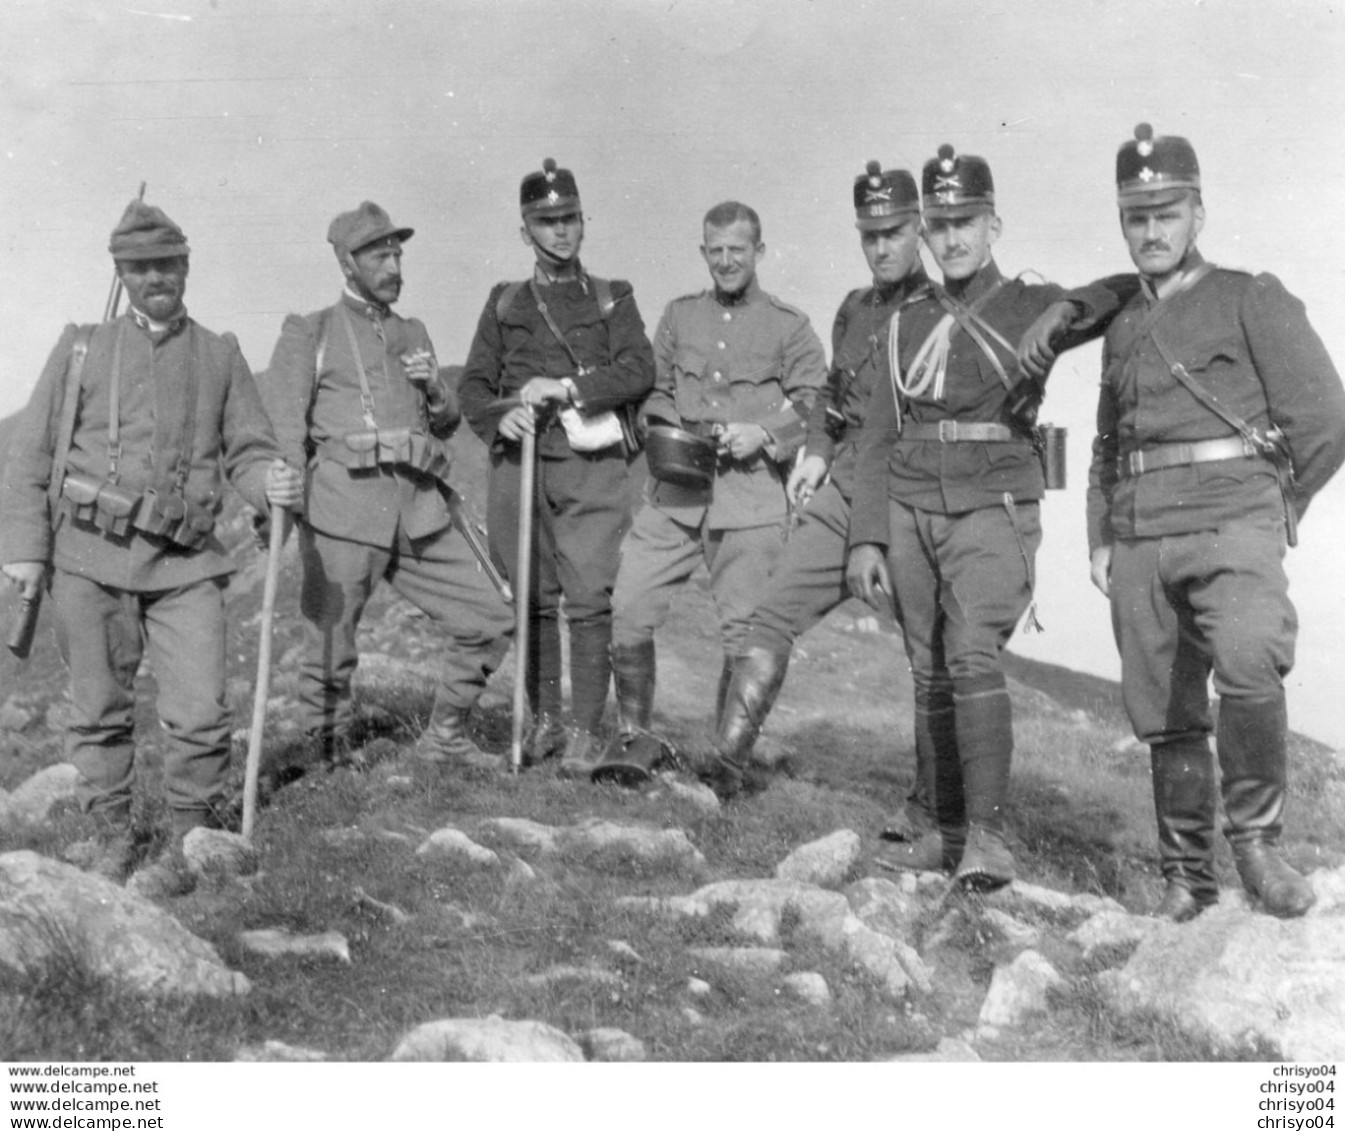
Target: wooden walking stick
523,594
279,520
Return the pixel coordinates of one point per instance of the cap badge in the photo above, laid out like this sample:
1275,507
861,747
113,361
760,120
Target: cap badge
1146,174
1144,148
947,184
552,196
877,193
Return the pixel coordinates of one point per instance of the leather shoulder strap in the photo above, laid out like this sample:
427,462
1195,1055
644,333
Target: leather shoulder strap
74,375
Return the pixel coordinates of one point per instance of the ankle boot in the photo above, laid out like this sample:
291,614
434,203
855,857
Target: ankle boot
985,744
633,674
590,672
1252,735
1183,773
446,742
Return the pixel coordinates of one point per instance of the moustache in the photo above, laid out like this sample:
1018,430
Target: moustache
1155,245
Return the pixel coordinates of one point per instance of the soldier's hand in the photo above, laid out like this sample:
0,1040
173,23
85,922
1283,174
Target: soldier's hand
517,423
1036,349
26,577
1099,564
866,575
284,485
742,441
804,479
420,367
539,390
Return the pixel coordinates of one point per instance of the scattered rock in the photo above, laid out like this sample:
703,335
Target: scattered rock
695,793
1013,932
520,872
214,851
633,841
824,862
276,942
1018,990
809,987
34,800
1237,977
887,906
590,974
949,1049
277,1052
692,1017
392,913
754,960
13,717
487,1039
454,844
53,913
623,952
523,834
698,987
612,1046
1112,935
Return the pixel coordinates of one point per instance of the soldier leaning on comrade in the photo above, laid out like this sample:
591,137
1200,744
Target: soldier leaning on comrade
110,497
1220,417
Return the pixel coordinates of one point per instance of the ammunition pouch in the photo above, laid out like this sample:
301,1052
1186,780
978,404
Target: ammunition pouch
102,503
396,447
168,515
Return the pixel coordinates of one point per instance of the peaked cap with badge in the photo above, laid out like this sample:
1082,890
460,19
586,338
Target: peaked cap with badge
884,197
353,231
146,232
552,192
956,184
1155,170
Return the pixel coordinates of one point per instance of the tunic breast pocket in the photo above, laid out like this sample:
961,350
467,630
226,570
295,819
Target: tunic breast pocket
1213,355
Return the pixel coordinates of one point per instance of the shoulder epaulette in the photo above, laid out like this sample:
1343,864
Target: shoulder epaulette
780,304
505,299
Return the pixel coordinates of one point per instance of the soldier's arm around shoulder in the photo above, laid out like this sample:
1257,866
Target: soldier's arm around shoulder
1303,388
288,384
479,386
25,515
247,440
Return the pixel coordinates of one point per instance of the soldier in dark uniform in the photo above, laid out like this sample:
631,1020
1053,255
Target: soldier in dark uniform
358,400
572,349
1220,417
946,509
809,578
739,365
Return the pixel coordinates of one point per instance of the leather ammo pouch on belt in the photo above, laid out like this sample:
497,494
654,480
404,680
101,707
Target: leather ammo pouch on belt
396,447
166,514
99,501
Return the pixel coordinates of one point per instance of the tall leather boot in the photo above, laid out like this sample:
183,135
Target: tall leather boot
1183,774
985,742
590,676
633,675
1251,738
543,677
755,680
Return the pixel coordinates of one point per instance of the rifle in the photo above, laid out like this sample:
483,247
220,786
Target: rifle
478,548
24,624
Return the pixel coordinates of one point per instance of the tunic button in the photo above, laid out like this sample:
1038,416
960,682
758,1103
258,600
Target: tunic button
718,376
723,345
728,317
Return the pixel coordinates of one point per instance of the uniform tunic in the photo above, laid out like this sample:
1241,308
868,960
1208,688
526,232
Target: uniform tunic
746,359
583,507
1197,578
116,598
389,521
809,579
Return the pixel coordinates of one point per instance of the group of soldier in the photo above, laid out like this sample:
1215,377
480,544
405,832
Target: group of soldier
908,473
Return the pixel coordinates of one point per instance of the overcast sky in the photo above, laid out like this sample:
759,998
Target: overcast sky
255,122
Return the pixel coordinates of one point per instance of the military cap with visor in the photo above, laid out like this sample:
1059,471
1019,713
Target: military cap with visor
1155,171
552,192
954,185
884,198
365,225
146,232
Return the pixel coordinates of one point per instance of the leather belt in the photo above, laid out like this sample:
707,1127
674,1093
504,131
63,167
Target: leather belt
1180,455
956,431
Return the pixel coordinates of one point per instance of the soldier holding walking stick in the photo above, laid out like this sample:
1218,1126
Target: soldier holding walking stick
109,499
571,348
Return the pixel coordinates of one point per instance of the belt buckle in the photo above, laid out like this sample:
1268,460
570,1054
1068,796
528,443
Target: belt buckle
1135,462
947,431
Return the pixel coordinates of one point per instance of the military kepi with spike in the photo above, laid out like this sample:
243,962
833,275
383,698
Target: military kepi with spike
1220,417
